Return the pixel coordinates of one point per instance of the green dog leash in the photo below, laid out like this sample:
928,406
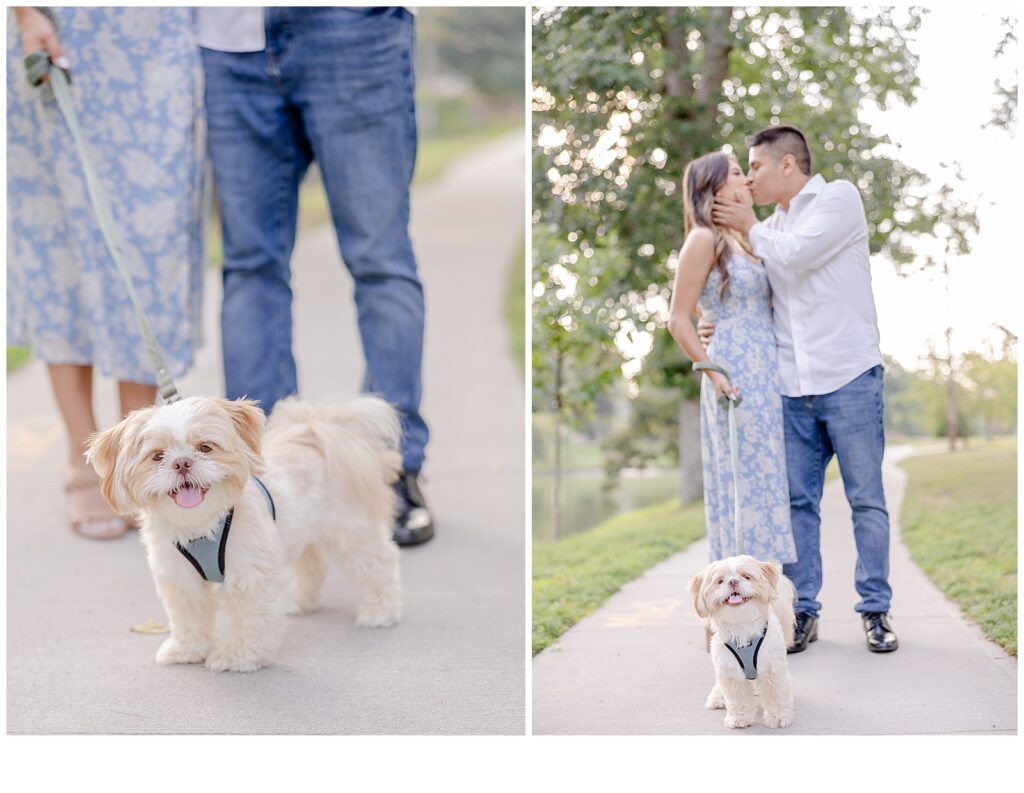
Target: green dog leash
39,66
730,404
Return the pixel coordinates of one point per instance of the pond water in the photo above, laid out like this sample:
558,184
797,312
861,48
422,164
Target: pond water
585,503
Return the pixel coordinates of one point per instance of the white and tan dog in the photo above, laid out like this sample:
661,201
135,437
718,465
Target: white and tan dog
745,600
186,465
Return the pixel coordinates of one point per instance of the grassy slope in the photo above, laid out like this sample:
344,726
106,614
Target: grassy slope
515,304
575,575
959,521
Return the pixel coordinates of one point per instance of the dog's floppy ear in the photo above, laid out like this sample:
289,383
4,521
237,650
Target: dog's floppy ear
249,421
697,590
772,572
101,452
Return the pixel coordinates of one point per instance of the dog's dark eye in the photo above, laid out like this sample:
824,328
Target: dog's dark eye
720,580
158,456
746,576
205,448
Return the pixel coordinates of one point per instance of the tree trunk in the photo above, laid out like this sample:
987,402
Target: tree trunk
691,476
556,488
556,485
695,111
951,420
718,43
673,38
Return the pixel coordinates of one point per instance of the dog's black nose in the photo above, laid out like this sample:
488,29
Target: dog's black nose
734,582
182,464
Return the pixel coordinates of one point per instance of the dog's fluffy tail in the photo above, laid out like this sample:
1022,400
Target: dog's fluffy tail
359,441
784,607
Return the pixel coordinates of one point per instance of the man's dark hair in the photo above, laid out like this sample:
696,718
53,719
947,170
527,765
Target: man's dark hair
784,140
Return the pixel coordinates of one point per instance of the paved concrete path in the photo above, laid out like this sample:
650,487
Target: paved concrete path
454,665
638,664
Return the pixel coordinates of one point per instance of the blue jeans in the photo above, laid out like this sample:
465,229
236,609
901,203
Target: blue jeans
849,424
334,85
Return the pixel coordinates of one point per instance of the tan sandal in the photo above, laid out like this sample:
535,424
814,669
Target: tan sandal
88,513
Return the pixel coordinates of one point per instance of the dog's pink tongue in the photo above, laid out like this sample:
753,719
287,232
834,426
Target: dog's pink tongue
188,497
735,599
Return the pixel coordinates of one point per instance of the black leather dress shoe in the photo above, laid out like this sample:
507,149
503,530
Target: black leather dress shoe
804,632
413,521
881,638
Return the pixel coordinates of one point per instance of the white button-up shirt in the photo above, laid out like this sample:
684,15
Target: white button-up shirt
816,257
234,29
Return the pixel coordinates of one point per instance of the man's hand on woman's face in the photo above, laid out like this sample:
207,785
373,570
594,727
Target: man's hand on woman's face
737,215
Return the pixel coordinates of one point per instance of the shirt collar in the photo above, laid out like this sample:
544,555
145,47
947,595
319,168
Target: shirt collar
813,186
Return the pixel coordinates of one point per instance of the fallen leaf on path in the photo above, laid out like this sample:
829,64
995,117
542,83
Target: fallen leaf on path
150,626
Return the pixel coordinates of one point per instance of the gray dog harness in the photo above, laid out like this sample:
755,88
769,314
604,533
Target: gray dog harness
746,655
207,553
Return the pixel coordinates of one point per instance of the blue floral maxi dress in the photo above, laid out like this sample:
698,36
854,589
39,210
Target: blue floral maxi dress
137,88
744,344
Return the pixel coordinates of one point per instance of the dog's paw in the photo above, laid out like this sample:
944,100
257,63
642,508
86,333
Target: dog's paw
219,662
171,652
376,619
380,612
715,700
776,720
301,609
737,722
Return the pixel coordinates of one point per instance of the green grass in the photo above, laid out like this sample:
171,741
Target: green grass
575,575
436,154
515,304
17,356
959,521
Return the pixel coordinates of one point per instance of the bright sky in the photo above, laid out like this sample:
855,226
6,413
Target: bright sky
957,69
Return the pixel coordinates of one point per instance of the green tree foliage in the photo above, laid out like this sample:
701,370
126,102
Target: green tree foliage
953,224
625,97
913,401
486,45
991,392
986,395
1005,112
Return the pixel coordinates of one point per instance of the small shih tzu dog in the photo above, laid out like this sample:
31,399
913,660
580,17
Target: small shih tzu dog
750,607
231,554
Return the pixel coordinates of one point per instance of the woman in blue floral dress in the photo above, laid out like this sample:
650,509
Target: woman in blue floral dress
137,87
719,276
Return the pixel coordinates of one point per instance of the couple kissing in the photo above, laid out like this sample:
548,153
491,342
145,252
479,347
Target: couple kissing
786,308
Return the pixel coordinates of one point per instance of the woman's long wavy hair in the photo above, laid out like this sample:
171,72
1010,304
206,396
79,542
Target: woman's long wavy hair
701,180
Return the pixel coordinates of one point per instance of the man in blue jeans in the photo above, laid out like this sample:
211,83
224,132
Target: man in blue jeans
815,250
285,87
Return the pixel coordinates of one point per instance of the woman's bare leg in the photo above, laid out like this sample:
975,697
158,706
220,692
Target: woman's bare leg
134,396
87,512
72,388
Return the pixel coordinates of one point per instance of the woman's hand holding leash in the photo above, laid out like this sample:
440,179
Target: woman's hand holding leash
722,386
38,33
724,390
